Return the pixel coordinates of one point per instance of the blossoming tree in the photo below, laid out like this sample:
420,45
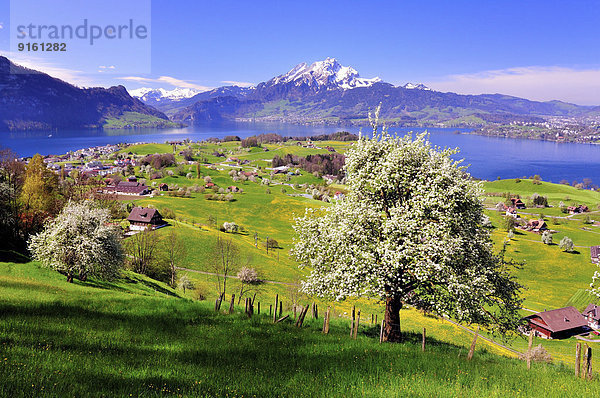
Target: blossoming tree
409,230
79,241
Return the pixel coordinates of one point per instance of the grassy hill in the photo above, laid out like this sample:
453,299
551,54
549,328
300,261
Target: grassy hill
135,337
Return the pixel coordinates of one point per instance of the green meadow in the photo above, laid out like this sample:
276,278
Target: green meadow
137,336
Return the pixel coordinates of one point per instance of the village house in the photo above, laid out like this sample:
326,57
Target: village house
163,187
233,189
592,315
518,203
142,218
536,225
512,212
595,254
129,187
561,323
577,209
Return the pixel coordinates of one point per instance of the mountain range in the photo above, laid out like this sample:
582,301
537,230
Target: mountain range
327,92
33,100
324,92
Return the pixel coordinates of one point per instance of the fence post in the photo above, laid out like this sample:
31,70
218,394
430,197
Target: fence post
472,350
280,308
577,359
381,331
356,325
258,308
423,342
529,349
270,309
326,321
232,303
275,309
352,322
588,363
316,311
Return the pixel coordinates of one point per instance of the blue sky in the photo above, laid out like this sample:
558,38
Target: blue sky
536,49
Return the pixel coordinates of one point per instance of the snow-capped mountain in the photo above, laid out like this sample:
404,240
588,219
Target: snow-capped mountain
417,86
147,94
328,74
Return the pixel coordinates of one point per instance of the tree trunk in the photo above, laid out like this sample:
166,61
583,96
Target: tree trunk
70,277
391,331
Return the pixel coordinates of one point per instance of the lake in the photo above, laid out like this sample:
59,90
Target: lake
489,157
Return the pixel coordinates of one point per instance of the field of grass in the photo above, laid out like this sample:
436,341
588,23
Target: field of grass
127,338
137,120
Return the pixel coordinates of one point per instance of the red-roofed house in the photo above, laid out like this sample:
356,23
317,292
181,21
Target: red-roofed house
142,218
561,323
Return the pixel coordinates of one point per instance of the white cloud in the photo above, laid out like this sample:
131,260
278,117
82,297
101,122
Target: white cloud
73,76
240,84
580,86
1,25
168,80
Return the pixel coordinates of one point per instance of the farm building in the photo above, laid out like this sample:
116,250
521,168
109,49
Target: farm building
142,218
577,209
592,315
595,254
517,203
163,187
536,225
128,188
561,323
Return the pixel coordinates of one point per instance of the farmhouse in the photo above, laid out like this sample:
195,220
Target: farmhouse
595,254
592,315
163,187
577,209
127,188
512,212
561,323
536,225
142,218
517,203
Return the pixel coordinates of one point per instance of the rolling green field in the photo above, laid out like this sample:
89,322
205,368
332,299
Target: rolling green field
137,336
133,337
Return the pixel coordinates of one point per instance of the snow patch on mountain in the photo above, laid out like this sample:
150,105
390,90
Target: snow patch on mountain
416,86
158,94
329,74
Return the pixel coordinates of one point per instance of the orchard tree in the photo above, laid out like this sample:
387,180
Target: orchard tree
547,237
80,241
409,230
566,244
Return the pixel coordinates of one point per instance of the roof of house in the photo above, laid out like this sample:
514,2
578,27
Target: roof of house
558,320
143,214
592,310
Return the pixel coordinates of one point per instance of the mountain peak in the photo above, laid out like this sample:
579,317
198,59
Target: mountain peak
157,94
416,86
328,74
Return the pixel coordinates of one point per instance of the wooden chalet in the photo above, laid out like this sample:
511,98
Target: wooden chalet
592,315
163,187
142,218
561,323
517,203
536,225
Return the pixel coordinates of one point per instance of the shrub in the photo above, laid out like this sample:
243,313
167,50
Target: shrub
230,227
268,191
538,354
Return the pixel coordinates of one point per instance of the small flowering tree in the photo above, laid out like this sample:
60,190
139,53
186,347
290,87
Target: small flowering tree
409,229
79,241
